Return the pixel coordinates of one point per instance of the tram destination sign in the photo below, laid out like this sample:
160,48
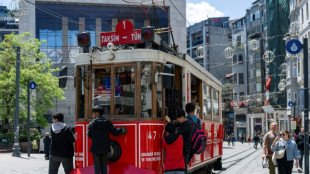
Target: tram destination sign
124,34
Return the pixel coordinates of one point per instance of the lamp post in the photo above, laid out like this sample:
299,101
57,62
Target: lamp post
16,147
306,109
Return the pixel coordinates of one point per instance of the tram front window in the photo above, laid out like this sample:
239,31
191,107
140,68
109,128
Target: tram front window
146,90
124,98
102,89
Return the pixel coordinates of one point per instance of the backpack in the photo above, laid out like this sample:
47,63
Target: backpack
199,139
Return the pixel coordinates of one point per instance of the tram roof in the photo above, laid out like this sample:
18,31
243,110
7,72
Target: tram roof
147,55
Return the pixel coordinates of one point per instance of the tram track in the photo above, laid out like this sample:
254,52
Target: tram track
232,160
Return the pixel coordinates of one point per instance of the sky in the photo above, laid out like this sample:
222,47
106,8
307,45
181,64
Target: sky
199,10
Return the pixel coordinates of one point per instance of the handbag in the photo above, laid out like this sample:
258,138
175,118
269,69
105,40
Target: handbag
278,155
265,163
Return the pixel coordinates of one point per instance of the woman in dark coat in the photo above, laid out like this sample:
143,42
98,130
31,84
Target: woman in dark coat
47,144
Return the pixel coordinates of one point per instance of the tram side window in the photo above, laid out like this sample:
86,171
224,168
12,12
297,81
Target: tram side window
215,103
124,99
146,90
81,92
159,93
102,89
207,112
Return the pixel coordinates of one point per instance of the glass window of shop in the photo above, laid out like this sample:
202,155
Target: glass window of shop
215,104
206,102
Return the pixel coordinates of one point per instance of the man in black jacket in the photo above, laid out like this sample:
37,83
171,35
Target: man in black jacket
300,144
98,131
62,146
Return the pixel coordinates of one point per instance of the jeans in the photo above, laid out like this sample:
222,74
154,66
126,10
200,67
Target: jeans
301,154
55,161
100,163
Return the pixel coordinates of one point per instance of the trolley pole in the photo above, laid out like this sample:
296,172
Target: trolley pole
306,109
16,147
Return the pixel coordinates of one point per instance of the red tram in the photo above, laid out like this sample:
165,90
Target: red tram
136,88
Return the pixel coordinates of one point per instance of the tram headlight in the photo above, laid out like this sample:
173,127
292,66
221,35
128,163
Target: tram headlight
116,151
149,36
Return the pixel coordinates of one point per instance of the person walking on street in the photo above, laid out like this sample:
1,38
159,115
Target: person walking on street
249,140
228,140
285,164
242,139
47,144
256,140
173,144
300,144
268,140
185,129
233,139
261,140
98,131
61,146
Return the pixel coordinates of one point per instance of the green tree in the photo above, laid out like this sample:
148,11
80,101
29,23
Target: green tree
34,66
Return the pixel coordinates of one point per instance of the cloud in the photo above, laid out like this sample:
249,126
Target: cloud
200,11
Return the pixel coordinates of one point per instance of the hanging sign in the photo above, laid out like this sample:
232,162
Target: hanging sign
290,104
293,125
293,46
124,34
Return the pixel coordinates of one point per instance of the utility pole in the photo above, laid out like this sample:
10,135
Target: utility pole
306,109
16,147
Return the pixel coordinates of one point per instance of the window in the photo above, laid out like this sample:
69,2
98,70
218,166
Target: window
258,72
289,95
288,70
302,16
206,99
235,61
240,59
235,79
146,90
307,11
294,69
295,97
215,104
258,87
240,78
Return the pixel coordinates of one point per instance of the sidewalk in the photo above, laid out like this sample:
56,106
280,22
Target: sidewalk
35,164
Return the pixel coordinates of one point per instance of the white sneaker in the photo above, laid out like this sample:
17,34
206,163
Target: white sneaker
299,170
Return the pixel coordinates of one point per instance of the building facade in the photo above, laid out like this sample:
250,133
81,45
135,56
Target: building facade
8,24
210,37
58,22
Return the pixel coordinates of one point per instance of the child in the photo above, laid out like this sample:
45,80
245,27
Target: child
173,144
47,144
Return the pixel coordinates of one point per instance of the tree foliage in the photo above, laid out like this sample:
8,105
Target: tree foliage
34,66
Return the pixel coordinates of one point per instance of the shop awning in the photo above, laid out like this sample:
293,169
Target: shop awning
229,75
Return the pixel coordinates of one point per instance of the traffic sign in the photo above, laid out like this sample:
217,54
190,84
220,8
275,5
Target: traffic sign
32,85
293,46
293,125
290,104
124,34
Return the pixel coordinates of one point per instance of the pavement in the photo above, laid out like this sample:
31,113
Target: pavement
243,159
238,159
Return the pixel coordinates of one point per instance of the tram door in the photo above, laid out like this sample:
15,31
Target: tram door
173,90
196,96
